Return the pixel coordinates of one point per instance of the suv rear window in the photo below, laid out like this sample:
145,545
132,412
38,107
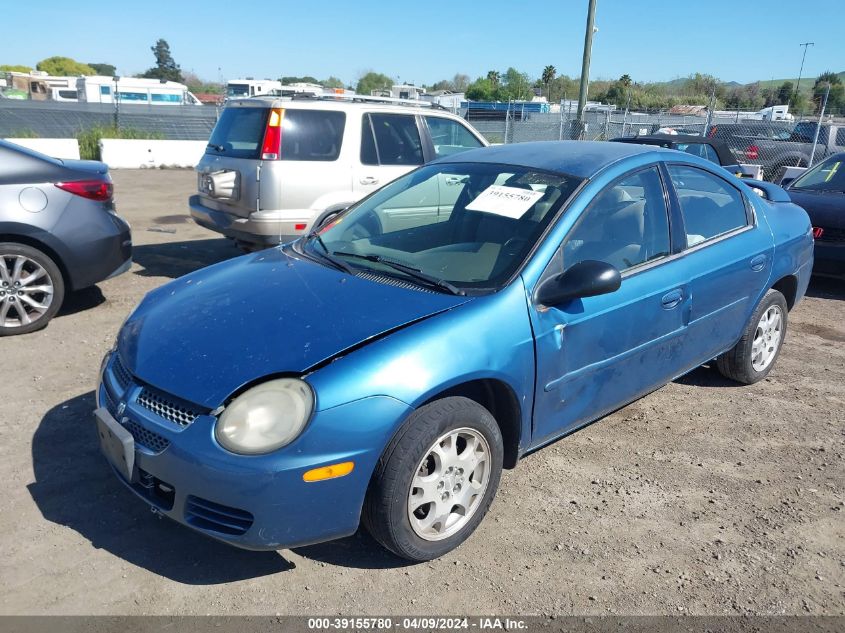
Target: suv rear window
310,135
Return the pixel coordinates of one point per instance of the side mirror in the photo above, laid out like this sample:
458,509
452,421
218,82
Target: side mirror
584,279
785,182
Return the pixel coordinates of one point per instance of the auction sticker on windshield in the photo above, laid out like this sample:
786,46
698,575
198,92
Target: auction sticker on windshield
510,202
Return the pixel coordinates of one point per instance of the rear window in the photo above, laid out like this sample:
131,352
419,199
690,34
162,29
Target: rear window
308,135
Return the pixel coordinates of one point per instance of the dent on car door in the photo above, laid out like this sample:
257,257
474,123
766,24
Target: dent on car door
728,258
596,353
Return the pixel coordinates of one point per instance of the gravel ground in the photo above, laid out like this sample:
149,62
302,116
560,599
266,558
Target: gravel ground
702,498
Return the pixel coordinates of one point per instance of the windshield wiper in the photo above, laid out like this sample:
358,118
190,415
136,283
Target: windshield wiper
416,273
337,263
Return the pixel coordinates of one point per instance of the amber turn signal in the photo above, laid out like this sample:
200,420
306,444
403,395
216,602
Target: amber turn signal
328,472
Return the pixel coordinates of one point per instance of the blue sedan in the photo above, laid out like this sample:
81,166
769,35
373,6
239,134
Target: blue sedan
387,367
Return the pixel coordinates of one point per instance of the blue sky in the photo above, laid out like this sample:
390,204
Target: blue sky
423,41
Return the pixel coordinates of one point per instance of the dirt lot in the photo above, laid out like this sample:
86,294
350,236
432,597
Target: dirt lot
701,498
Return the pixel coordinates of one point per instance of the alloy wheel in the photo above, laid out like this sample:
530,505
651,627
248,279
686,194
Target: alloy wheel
767,338
449,484
26,291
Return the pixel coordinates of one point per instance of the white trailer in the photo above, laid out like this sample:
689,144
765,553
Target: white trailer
133,90
249,87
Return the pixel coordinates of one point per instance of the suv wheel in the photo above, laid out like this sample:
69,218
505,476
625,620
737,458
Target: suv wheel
31,289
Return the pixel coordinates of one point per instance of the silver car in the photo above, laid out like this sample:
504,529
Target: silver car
58,232
276,167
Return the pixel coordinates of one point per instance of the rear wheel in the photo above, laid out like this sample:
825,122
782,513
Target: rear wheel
436,480
753,357
31,289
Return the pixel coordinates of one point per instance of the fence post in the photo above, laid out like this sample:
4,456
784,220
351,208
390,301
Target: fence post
710,107
607,124
560,131
819,126
507,121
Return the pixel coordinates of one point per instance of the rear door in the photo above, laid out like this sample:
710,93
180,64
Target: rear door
391,145
728,258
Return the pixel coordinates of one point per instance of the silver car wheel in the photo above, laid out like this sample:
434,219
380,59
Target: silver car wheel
26,291
449,484
767,338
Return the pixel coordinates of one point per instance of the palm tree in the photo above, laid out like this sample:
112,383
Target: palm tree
493,77
625,80
548,77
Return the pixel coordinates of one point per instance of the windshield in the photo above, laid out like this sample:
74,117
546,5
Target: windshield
828,175
237,90
468,224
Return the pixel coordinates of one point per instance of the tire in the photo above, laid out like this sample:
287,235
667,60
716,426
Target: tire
753,357
48,280
414,457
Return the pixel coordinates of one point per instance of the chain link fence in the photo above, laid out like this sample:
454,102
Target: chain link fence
772,145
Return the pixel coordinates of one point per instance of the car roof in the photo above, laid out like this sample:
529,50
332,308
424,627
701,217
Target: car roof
578,158
327,103
719,145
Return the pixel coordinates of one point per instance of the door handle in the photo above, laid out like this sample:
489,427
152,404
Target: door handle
672,299
757,263
369,180
454,180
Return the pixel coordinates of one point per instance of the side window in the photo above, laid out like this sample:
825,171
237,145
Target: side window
710,206
312,135
397,139
450,137
626,224
840,136
710,154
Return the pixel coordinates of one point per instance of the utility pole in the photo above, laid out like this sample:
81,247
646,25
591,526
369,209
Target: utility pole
819,125
803,57
585,65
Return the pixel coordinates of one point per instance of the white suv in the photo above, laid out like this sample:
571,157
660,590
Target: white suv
275,167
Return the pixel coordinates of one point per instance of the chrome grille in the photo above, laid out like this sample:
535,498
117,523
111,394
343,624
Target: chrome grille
153,441
122,376
165,407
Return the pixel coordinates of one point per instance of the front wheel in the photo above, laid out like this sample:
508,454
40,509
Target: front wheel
31,289
753,357
436,480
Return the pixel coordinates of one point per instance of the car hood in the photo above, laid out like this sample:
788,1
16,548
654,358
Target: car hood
207,334
825,209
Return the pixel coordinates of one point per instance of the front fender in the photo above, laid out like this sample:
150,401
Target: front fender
486,338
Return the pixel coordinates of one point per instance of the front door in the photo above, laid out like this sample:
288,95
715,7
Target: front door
598,353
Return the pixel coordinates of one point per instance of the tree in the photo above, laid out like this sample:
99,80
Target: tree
493,76
548,77
107,70
482,89
836,98
15,68
64,67
625,80
373,81
460,82
331,82
784,93
307,79
516,86
166,67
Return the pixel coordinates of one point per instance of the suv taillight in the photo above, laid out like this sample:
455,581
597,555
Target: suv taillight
817,232
99,190
752,152
271,147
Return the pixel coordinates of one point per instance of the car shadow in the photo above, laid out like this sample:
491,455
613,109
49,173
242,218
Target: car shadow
81,300
359,551
174,259
706,376
826,288
75,487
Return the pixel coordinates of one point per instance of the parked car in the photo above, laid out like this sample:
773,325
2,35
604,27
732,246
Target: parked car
58,232
275,167
820,191
386,367
793,150
714,150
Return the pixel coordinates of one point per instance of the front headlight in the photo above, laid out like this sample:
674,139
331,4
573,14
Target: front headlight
265,417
